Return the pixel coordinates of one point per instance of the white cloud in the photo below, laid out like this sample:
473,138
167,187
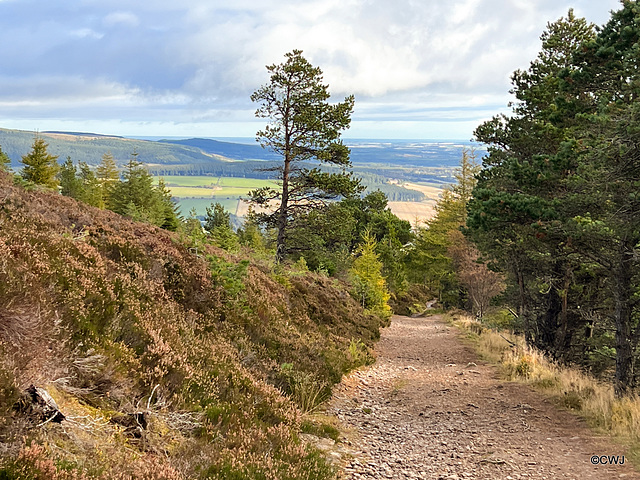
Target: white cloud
127,19
197,61
86,33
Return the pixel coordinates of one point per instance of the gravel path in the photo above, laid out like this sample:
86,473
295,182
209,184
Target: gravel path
430,409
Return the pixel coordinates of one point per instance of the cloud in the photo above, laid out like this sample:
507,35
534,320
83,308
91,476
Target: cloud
198,61
127,19
86,33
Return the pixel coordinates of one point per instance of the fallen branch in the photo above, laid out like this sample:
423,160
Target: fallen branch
508,341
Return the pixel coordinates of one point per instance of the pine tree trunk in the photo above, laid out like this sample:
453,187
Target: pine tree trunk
283,214
622,314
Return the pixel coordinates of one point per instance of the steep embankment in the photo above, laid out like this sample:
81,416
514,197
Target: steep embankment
167,362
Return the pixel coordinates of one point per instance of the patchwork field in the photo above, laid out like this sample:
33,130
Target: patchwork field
199,192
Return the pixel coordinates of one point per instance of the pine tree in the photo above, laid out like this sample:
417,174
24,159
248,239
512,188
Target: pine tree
5,161
134,196
303,127
170,213
369,284
40,167
218,224
70,183
91,189
108,176
430,261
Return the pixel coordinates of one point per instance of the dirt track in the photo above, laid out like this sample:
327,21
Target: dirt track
429,409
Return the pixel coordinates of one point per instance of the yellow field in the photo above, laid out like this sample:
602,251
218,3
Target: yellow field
417,212
431,192
412,211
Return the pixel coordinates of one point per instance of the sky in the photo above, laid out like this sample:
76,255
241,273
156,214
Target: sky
419,69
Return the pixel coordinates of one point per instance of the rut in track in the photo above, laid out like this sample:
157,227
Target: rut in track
430,409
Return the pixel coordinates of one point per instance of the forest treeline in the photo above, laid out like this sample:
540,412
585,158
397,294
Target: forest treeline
328,239
556,207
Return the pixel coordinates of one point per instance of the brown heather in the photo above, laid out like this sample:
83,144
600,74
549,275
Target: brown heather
115,317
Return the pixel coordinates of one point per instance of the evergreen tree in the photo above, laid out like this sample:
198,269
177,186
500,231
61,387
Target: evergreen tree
40,167
5,161
558,198
108,176
430,259
522,190
218,224
366,274
303,127
250,235
217,217
323,237
70,183
170,215
135,196
91,188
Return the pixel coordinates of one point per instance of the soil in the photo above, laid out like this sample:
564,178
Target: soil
429,408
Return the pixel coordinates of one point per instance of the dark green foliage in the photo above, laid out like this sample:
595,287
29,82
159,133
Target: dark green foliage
136,197
40,167
429,258
217,217
70,184
92,192
5,161
108,177
218,224
169,212
557,204
303,126
323,237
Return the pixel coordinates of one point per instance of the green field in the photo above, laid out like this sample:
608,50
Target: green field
201,191
201,204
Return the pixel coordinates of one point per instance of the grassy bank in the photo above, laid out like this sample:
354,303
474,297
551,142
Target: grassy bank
570,387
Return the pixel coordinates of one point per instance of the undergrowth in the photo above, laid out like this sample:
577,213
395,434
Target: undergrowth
113,318
571,387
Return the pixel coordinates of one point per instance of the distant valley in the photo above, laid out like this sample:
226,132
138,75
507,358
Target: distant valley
410,173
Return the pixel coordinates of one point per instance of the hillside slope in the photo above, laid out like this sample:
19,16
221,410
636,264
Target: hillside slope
89,148
167,363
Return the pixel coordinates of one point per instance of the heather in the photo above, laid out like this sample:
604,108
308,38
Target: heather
224,355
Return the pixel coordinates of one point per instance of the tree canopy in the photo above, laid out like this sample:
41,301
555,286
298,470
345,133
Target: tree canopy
556,204
303,127
40,167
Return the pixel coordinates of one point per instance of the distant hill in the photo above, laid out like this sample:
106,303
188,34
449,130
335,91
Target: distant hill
363,152
236,151
89,147
375,161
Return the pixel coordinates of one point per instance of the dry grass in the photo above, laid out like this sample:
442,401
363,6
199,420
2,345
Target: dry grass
574,389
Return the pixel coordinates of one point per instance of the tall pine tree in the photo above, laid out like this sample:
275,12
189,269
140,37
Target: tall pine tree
303,127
